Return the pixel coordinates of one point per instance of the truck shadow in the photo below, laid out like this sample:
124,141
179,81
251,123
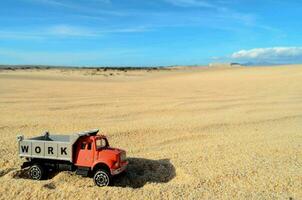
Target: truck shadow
141,171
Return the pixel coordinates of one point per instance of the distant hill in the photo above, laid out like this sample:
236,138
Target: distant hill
232,64
119,68
264,64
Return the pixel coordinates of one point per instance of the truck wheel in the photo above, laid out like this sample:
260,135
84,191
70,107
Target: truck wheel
36,172
101,178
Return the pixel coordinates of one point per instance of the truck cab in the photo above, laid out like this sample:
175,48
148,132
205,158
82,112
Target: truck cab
93,152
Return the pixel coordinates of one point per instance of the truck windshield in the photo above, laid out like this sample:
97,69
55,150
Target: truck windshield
101,143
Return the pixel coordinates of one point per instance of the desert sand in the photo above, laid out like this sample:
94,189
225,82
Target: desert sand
233,133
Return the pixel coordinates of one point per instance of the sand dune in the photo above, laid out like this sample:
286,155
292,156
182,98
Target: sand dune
190,133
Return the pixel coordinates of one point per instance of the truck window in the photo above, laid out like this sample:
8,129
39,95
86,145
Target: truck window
83,145
101,143
89,146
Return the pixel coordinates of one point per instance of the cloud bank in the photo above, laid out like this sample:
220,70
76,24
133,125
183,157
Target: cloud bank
273,54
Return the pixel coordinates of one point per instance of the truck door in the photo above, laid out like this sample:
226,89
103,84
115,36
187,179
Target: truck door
85,154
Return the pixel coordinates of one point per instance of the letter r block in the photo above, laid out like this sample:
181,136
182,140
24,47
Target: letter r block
51,150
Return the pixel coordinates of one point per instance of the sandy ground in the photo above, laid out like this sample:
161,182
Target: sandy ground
189,134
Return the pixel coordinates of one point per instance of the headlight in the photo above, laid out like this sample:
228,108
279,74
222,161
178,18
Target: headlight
123,156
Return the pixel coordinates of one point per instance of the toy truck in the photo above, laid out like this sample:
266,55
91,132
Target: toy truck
86,153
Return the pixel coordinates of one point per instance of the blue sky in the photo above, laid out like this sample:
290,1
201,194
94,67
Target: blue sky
148,33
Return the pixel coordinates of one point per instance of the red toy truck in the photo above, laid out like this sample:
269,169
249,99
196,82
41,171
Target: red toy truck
86,153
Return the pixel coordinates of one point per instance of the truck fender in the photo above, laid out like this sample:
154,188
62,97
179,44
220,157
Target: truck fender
100,165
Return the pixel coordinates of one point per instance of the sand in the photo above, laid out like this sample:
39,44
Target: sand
232,133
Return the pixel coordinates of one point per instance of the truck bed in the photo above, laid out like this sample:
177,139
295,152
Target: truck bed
58,147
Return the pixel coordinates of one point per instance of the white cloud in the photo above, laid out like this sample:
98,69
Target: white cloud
224,17
66,30
128,30
41,33
16,35
190,3
274,54
76,7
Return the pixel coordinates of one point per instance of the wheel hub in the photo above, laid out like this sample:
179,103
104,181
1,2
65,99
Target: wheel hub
35,172
101,179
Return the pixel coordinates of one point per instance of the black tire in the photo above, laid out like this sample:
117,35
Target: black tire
102,178
36,172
